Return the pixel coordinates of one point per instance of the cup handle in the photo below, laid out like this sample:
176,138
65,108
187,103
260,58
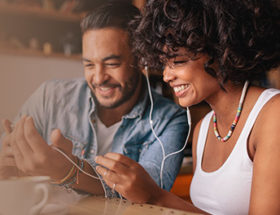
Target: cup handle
37,208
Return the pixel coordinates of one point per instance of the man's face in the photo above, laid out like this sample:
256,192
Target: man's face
108,65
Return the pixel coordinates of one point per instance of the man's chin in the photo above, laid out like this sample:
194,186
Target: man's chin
113,101
108,104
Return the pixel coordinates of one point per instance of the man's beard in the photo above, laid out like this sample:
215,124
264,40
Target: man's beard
127,92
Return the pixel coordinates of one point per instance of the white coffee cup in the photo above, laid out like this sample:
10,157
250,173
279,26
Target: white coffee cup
23,196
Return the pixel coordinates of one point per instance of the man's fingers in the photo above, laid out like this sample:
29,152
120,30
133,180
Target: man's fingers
21,141
7,125
7,151
8,161
59,141
6,141
19,160
36,142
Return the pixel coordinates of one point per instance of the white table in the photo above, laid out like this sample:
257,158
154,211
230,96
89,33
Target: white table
103,206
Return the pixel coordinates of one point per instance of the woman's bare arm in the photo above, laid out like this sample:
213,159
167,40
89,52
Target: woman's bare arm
265,193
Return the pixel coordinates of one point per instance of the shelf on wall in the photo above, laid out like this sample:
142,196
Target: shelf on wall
35,53
22,10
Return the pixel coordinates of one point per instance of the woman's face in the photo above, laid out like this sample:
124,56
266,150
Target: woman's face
187,77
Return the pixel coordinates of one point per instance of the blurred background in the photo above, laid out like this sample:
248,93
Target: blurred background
40,40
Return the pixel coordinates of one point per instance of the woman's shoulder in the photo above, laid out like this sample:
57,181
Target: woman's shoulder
268,120
271,110
266,98
272,98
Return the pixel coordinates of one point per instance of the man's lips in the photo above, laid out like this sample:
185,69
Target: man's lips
106,90
104,86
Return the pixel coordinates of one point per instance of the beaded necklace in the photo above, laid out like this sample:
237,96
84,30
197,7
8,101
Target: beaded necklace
233,125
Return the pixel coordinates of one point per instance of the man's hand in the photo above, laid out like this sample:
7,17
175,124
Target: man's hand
127,177
7,163
34,156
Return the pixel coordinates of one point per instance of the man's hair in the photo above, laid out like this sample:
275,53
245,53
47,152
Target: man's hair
115,14
242,36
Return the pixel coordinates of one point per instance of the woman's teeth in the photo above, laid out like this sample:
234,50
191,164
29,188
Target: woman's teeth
180,88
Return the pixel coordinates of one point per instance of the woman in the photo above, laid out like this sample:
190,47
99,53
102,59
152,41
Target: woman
214,51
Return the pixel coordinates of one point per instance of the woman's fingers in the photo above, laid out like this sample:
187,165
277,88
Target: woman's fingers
120,158
114,165
113,170
105,173
110,177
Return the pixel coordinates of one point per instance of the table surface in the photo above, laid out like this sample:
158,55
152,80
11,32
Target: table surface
102,206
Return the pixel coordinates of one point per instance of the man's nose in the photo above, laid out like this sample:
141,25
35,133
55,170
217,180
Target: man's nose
100,75
168,74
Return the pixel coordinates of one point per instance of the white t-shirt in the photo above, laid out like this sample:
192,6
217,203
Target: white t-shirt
105,136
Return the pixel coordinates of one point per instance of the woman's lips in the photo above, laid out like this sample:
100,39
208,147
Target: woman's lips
181,90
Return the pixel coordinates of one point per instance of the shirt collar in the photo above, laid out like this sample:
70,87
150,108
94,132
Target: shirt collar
92,105
139,108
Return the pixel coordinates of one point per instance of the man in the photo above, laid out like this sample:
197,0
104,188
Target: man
107,112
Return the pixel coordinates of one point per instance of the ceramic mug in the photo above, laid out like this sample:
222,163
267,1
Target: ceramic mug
23,196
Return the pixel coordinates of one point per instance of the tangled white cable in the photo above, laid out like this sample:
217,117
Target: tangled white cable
155,135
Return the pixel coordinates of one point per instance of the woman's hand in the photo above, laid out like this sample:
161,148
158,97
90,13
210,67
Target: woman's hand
128,178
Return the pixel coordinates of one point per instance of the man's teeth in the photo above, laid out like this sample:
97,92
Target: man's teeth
105,88
180,88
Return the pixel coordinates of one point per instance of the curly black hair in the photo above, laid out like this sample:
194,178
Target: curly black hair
242,36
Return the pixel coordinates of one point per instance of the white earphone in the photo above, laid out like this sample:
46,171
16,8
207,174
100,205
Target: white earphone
151,125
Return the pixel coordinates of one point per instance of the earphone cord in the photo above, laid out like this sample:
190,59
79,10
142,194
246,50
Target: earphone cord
155,135
86,173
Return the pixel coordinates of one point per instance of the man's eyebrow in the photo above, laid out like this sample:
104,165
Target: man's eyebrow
115,57
85,59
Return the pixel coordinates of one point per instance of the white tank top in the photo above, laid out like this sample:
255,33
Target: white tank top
227,189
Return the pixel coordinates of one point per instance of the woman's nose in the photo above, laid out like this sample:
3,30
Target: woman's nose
168,74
